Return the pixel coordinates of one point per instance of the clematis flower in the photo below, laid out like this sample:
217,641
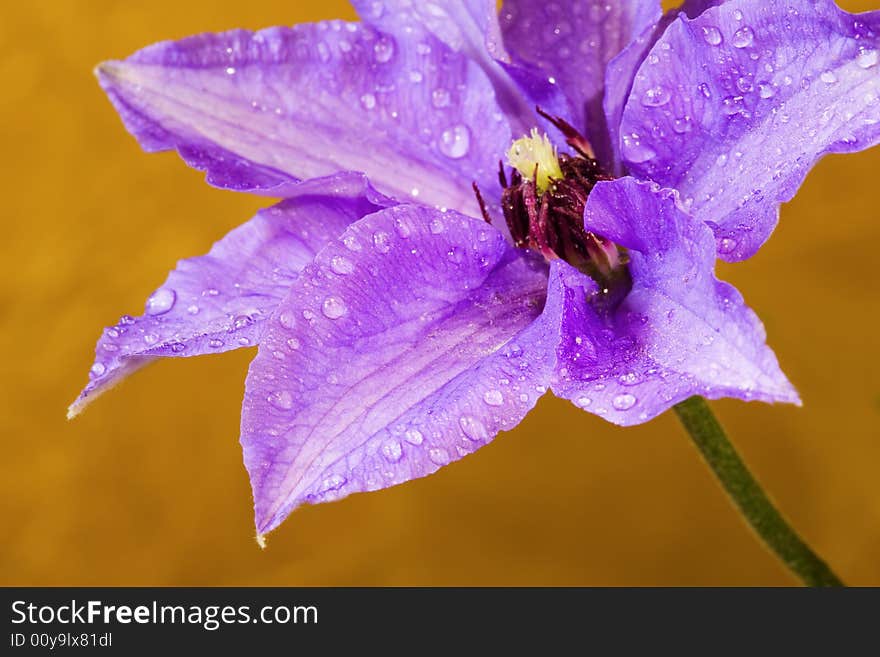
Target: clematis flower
410,303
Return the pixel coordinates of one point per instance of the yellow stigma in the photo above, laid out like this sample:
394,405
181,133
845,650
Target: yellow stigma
535,151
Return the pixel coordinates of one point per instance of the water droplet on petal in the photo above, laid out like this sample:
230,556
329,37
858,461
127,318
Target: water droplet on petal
392,451
414,436
368,101
161,301
583,401
341,265
440,98
493,398
215,343
867,58
455,141
712,35
286,319
636,152
281,399
381,241
97,370
656,96
726,245
743,37
383,50
473,429
828,77
438,455
334,308
624,402
333,482
151,338
293,344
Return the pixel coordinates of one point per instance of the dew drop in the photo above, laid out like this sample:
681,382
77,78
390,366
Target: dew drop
383,50
828,77
193,310
161,301
381,241
151,338
334,308
440,98
583,401
656,96
341,265
392,451
766,91
281,399
726,245
455,141
743,37
215,343
414,436
712,35
493,398
624,402
867,58
635,151
97,370
333,482
438,455
293,344
368,101
473,429
286,319
437,226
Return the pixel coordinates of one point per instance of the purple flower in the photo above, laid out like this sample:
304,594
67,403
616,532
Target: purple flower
398,331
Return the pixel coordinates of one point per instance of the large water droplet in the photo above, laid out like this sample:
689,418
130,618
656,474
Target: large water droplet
381,241
281,399
97,370
438,455
414,436
341,265
867,58
334,308
473,429
624,402
656,96
161,301
493,398
743,37
712,35
635,151
383,50
392,451
455,141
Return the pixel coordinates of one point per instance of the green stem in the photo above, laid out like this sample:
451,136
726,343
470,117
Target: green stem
746,493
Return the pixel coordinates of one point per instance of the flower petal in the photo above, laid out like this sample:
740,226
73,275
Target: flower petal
220,301
407,344
259,110
734,107
573,42
679,332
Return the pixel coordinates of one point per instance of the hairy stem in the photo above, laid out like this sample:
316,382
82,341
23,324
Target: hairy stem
746,493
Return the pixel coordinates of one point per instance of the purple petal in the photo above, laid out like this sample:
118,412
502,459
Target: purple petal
220,301
470,27
260,110
679,332
573,42
406,345
734,107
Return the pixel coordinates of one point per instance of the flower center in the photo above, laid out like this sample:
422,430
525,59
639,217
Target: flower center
543,203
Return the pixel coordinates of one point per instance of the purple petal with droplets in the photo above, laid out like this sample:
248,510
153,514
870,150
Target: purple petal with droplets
407,344
259,110
573,42
739,103
220,301
471,28
679,332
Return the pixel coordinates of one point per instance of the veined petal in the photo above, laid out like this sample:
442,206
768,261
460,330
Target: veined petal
733,108
679,332
259,110
471,27
573,42
220,301
407,344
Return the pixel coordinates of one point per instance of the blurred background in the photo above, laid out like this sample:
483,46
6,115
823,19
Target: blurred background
147,487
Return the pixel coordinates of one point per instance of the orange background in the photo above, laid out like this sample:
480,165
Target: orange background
147,487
